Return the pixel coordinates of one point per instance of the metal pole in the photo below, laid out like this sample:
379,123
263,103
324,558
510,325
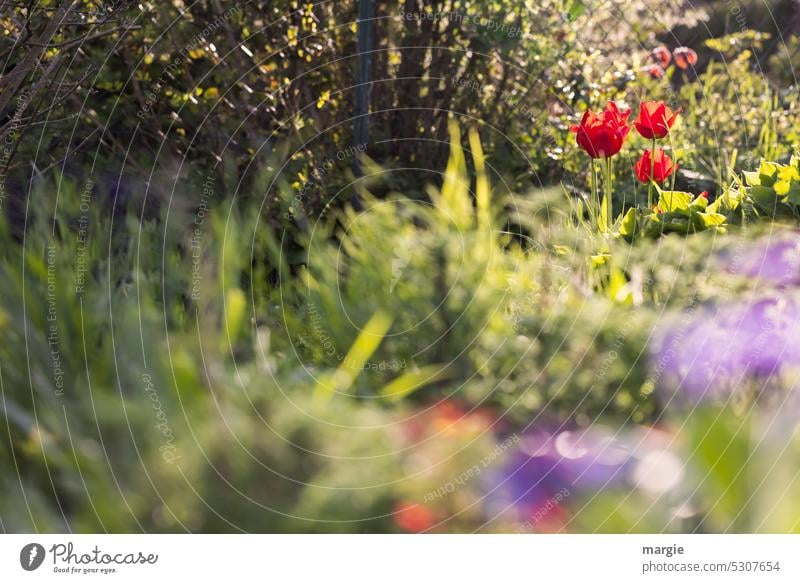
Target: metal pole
366,40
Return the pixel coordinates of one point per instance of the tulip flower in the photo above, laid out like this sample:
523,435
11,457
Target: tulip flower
602,135
657,167
662,56
655,119
684,57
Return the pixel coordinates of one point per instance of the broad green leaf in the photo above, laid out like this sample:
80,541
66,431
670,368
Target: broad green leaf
699,202
763,196
793,196
781,187
788,174
676,222
711,219
752,178
674,200
768,173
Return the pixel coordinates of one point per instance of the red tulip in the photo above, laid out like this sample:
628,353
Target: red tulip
684,57
655,119
603,134
655,71
660,164
662,56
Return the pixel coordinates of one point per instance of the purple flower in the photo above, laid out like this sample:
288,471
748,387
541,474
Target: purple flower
550,466
719,347
776,261
553,471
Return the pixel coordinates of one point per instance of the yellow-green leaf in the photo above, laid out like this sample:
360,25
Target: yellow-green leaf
674,200
413,380
628,225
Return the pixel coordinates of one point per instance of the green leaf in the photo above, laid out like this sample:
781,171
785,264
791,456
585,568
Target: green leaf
788,174
768,173
752,178
627,227
711,219
763,196
721,451
699,203
731,198
793,196
367,342
602,221
235,309
618,290
781,187
575,10
674,200
482,189
413,380
676,222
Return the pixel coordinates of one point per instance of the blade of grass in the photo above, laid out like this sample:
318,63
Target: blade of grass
370,337
414,380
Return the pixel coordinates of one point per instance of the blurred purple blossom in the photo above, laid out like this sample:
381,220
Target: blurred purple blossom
550,466
719,347
535,484
776,260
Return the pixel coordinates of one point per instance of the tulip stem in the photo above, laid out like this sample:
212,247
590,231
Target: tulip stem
594,206
609,213
652,174
674,160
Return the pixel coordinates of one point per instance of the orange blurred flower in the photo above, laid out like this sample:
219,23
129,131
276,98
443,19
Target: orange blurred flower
413,517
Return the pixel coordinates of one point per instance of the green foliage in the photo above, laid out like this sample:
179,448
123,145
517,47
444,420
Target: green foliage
287,364
774,189
677,212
